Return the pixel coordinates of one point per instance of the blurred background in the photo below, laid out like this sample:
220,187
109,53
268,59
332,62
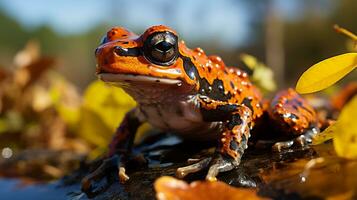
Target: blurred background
288,36
50,102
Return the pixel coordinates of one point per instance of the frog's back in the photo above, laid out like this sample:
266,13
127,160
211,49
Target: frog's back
219,82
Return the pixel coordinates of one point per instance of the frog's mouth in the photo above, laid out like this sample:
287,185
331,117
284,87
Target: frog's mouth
132,79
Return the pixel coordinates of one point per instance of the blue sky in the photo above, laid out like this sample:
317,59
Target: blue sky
227,22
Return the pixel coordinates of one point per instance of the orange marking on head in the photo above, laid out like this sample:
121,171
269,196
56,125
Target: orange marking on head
155,29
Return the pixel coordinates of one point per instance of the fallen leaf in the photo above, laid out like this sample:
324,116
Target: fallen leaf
27,75
103,109
344,196
345,134
41,98
28,54
3,73
168,188
325,135
249,60
66,99
262,76
326,73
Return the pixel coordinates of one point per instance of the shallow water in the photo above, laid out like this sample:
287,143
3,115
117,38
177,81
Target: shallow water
16,189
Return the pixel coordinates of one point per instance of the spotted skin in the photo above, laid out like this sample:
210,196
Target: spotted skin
238,119
292,113
184,91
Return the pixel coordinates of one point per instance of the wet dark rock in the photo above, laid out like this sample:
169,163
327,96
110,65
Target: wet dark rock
276,175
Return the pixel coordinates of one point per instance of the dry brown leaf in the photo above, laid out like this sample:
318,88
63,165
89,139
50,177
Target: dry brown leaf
30,73
169,188
344,196
28,54
3,73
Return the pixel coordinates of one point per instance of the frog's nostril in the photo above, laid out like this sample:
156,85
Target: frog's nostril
121,51
96,52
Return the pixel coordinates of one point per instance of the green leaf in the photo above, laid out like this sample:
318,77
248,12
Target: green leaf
326,73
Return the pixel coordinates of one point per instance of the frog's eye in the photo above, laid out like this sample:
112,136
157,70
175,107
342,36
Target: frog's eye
161,48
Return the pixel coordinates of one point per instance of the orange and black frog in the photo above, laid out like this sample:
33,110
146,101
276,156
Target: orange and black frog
196,96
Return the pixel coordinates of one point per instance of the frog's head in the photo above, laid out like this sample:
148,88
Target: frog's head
155,58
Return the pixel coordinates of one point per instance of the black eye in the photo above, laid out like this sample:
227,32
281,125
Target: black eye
164,46
161,48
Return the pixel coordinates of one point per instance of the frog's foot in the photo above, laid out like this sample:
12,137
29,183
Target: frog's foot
216,164
299,142
91,181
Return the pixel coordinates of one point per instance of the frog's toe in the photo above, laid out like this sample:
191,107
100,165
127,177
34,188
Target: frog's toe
303,140
216,164
93,183
192,168
280,146
123,177
220,163
299,142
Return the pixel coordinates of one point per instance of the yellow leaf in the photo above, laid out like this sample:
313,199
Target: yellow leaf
345,134
70,115
262,76
325,135
65,99
102,111
326,73
249,60
93,128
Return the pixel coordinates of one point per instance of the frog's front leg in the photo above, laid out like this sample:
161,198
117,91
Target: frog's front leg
233,141
119,150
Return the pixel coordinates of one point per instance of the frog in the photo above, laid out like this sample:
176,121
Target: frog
193,95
